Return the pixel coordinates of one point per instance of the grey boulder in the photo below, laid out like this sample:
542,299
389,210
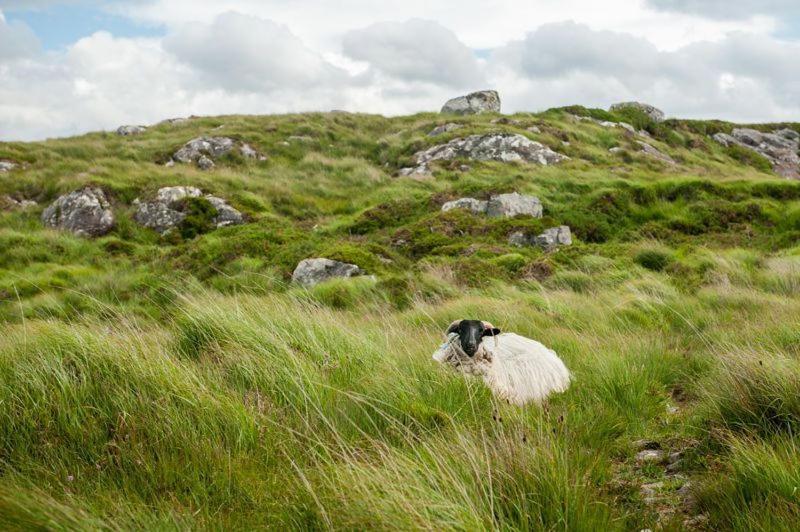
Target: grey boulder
654,113
204,150
126,131
513,204
474,103
503,147
164,213
554,237
549,240
310,272
84,212
470,204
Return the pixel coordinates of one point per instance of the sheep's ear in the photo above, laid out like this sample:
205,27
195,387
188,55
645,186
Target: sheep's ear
453,326
489,329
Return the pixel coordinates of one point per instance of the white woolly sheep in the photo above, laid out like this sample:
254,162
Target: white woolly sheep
515,368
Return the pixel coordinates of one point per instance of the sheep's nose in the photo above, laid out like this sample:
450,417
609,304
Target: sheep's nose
470,348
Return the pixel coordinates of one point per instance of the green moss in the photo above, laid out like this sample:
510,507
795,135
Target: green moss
200,214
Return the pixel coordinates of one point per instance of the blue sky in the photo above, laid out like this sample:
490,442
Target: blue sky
70,66
59,26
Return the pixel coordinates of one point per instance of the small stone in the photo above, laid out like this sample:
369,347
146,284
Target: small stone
651,490
534,129
518,239
7,166
310,272
126,131
654,153
552,238
650,456
444,128
204,163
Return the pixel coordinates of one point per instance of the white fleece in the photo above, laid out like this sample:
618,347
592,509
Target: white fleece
516,368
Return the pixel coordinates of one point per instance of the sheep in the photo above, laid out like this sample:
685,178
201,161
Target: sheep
515,368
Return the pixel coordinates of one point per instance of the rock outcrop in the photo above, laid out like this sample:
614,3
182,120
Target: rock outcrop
549,240
310,272
204,150
504,147
165,212
654,113
650,151
780,147
126,131
7,166
473,103
84,212
499,206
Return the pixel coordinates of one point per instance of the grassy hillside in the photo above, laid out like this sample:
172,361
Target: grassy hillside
168,382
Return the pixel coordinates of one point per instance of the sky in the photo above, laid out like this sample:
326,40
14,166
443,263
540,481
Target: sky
73,66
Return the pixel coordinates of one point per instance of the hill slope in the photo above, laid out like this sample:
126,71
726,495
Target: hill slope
152,381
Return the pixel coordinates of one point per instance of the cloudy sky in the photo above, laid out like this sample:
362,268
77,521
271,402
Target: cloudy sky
71,66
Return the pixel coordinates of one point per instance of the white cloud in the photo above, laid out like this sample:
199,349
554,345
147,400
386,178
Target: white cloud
16,40
243,53
243,63
415,50
743,76
729,9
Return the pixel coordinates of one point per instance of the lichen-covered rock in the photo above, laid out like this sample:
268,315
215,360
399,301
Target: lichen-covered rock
170,195
470,204
650,151
164,213
126,131
779,148
504,147
518,239
7,166
444,128
474,103
205,163
310,272
653,112
788,134
203,150
554,237
226,215
84,212
513,204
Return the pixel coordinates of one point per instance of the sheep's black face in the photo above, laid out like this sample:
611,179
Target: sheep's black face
471,333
